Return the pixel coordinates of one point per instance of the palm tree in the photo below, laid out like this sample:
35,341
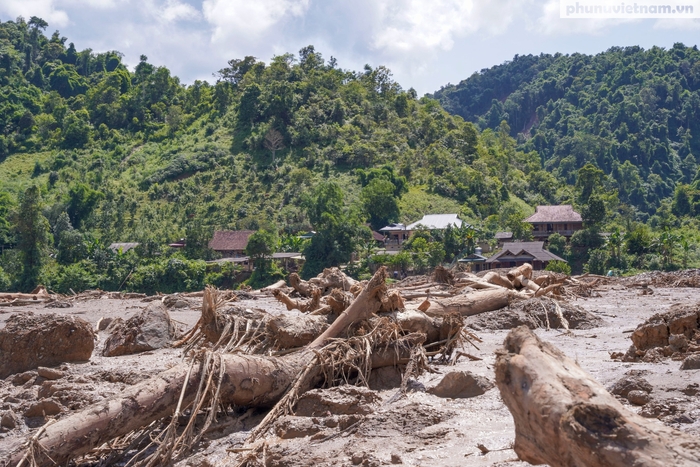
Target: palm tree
665,245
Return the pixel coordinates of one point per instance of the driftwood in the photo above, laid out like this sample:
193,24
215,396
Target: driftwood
472,303
563,417
524,270
247,380
495,278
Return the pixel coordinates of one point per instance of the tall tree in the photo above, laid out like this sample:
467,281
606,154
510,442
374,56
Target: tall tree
32,237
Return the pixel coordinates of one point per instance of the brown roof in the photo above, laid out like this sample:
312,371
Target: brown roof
230,240
522,249
561,213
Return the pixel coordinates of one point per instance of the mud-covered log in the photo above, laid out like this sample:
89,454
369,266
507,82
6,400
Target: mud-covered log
301,286
311,304
524,270
495,278
565,418
472,303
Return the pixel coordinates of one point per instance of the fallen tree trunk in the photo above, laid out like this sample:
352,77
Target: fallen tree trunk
24,296
524,270
248,380
472,303
495,278
563,417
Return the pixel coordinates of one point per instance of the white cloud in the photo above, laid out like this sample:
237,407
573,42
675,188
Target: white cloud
405,26
45,9
678,24
551,22
176,11
246,18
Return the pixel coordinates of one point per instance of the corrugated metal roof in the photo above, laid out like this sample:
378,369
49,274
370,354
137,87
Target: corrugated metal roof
503,235
519,249
560,213
437,221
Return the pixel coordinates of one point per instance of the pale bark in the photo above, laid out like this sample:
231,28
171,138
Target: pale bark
495,278
565,418
524,270
472,303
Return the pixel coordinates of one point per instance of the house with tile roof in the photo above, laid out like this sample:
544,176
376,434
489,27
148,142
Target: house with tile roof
561,219
516,254
230,243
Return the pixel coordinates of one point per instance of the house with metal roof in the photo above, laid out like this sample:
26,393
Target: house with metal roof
516,254
123,246
561,219
396,234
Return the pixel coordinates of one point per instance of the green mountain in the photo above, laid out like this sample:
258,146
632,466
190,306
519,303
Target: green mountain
633,113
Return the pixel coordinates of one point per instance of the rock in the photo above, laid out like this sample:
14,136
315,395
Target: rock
396,459
624,385
50,373
341,400
104,323
43,408
678,342
461,384
149,330
21,378
691,390
657,330
387,377
654,355
651,333
638,397
691,362
289,426
29,341
8,420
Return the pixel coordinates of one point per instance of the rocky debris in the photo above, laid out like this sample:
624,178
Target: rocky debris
42,408
341,400
388,377
659,409
291,426
535,313
151,329
29,341
178,302
665,334
629,383
460,385
685,278
691,362
8,420
638,397
104,323
692,389
22,378
50,373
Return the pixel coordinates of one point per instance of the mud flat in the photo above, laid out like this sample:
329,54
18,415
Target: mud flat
380,425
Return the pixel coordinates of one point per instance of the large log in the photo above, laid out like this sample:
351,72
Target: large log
495,278
565,418
472,303
249,380
523,270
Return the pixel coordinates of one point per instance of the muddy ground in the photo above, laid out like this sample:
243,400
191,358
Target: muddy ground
374,428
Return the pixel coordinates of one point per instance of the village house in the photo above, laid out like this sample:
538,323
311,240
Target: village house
560,219
516,254
230,243
396,234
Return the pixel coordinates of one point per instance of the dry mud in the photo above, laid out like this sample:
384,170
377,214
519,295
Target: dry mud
349,426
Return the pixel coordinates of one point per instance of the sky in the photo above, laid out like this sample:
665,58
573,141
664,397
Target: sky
426,43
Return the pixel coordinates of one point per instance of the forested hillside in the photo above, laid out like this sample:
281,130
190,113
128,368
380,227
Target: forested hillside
93,153
633,113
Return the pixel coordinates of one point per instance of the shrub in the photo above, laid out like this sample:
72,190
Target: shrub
596,262
559,266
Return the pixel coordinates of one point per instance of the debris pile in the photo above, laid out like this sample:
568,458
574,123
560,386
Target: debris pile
674,334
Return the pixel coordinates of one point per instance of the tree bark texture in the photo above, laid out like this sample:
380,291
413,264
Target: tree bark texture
563,417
